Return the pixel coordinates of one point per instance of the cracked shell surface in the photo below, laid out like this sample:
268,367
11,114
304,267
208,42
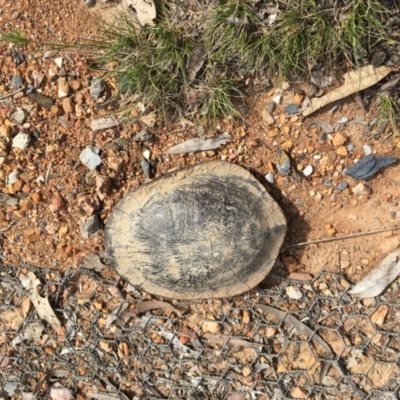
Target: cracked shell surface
207,231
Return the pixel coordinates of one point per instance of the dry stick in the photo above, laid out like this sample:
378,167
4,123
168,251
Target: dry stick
343,237
11,94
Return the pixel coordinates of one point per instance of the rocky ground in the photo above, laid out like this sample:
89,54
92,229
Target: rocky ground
54,207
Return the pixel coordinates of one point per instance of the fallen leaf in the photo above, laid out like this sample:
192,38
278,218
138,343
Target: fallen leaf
354,81
380,277
149,119
103,123
192,145
300,327
145,10
41,304
116,313
196,60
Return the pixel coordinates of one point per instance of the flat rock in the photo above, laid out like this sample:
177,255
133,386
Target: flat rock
41,99
37,79
103,123
21,141
19,116
267,118
16,82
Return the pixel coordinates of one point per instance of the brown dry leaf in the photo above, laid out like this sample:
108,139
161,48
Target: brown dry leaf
378,278
145,10
154,305
149,119
41,304
196,60
221,340
300,327
192,145
354,81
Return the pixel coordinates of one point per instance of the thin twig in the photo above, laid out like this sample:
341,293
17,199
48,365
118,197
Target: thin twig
11,94
8,226
343,237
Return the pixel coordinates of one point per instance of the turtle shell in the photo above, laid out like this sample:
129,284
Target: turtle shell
207,231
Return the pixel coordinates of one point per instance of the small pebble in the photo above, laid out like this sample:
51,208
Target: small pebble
362,190
327,183
292,109
270,177
267,118
19,116
277,99
367,150
16,82
271,107
283,162
90,157
96,87
294,293
13,177
63,87
342,120
350,147
91,226
146,168
342,186
307,171
21,141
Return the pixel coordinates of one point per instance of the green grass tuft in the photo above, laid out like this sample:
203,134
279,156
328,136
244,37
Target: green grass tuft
241,41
